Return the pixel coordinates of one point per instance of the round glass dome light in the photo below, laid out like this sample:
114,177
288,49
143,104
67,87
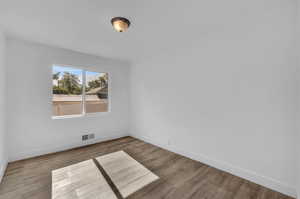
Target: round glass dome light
120,24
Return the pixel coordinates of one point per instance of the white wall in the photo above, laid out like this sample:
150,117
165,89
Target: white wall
3,151
226,97
297,174
31,129
297,55
298,168
297,140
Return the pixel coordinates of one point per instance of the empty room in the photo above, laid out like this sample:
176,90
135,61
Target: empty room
136,99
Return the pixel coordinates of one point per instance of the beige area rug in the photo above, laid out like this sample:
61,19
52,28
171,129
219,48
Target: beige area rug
80,181
126,173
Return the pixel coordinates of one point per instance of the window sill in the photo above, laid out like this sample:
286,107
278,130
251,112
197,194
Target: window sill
79,116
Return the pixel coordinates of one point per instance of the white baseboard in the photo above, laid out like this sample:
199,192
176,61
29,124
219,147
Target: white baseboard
46,150
237,171
2,170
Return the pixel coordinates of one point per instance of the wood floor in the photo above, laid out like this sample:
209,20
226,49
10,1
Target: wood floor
179,177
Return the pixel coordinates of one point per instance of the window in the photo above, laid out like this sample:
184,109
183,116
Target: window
78,92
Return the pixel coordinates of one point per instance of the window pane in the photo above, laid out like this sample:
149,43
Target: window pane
67,91
96,98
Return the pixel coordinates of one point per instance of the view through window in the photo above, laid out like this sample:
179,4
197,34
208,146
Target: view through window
77,91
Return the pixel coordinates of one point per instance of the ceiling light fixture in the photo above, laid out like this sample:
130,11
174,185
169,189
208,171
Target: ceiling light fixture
120,24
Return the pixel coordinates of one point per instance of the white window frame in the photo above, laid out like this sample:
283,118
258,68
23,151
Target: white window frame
84,114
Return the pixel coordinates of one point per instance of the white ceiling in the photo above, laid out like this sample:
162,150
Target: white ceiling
158,26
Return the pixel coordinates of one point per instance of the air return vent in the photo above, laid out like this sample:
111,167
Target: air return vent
88,137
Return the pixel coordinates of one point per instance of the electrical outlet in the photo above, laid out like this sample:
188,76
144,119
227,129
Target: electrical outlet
169,142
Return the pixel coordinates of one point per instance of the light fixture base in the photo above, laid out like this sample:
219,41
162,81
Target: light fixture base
120,24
